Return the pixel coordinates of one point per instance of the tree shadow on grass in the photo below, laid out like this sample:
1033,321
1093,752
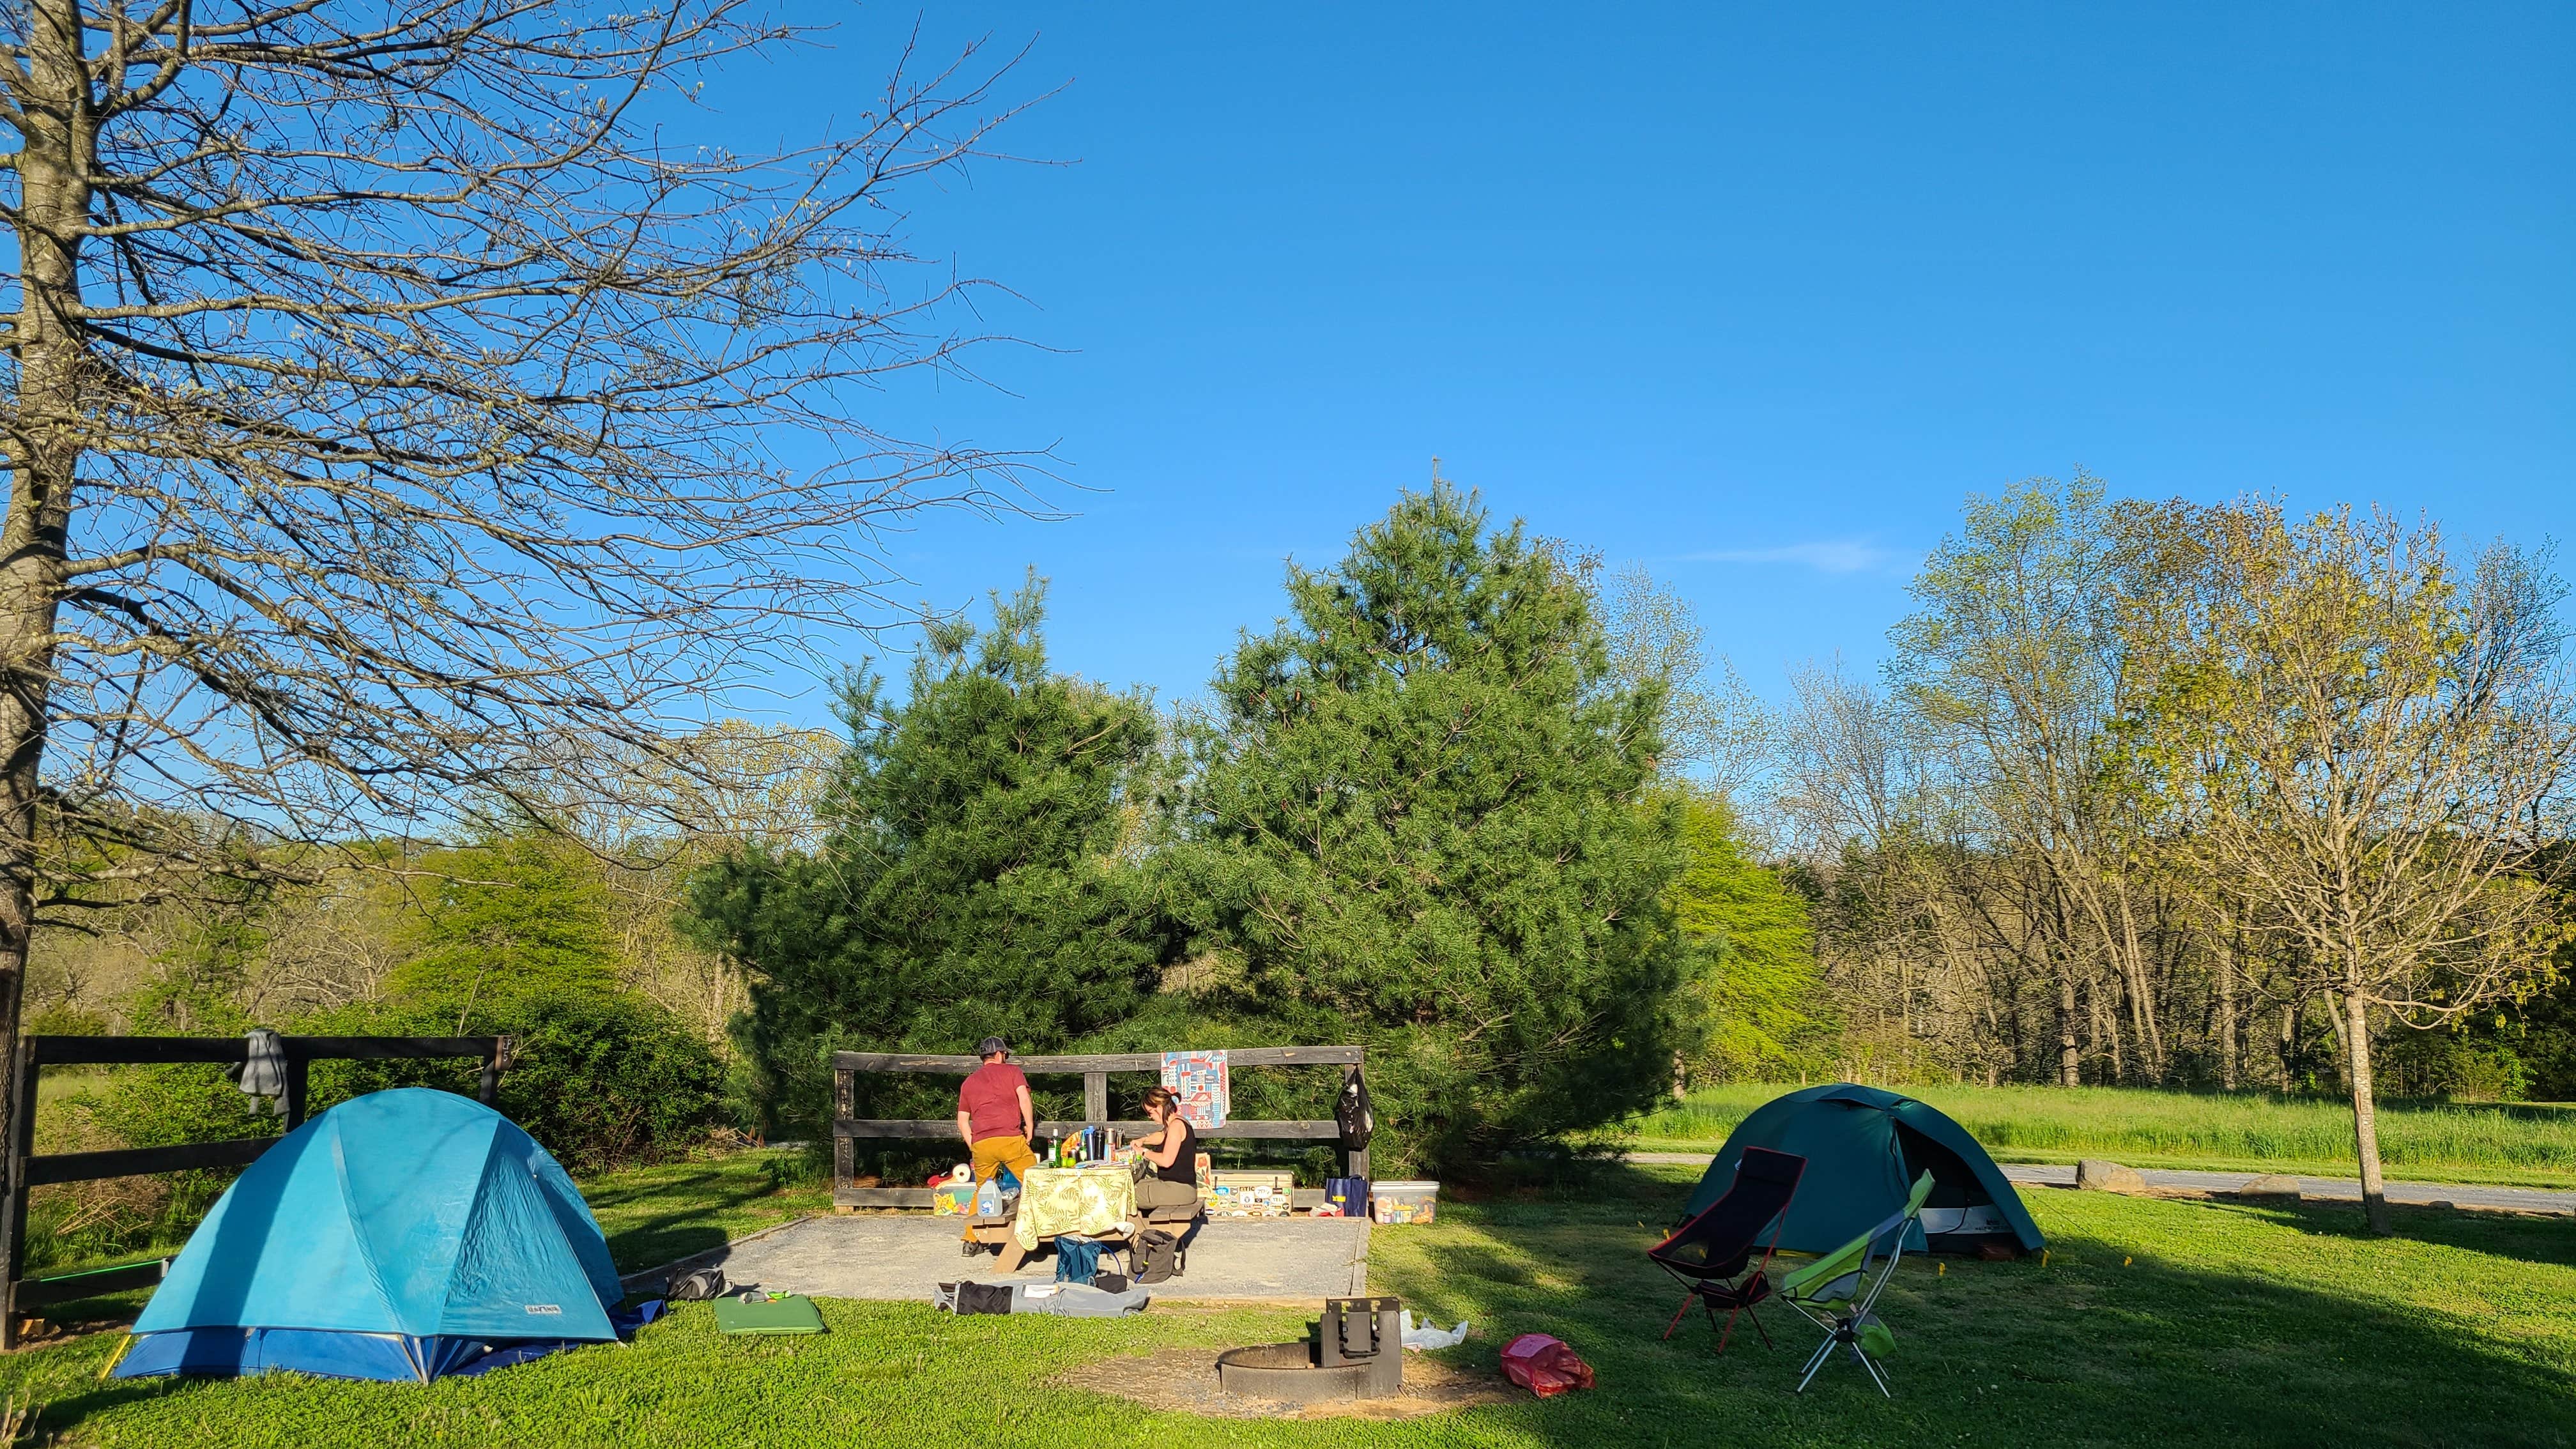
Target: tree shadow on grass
650,1220
2522,1237
2164,1349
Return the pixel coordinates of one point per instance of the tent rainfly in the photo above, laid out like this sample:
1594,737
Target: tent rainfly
1864,1149
401,1235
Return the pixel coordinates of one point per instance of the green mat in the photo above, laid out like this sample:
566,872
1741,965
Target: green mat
792,1314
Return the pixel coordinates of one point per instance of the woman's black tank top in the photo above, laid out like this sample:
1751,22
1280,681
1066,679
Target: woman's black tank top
1184,1168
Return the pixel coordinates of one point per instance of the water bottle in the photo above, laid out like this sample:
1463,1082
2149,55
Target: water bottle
988,1199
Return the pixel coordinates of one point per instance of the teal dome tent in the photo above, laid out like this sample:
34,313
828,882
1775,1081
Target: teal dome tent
1864,1149
402,1235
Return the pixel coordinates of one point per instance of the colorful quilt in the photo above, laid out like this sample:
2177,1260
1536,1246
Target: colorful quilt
1071,1200
1200,1078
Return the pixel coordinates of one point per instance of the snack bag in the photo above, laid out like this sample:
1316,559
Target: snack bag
1544,1365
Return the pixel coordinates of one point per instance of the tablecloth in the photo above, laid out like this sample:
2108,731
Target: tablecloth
1069,1200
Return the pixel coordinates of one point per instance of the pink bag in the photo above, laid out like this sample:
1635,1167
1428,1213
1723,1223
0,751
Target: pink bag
1544,1365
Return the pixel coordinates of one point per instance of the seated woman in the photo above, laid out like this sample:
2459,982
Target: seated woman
1167,1160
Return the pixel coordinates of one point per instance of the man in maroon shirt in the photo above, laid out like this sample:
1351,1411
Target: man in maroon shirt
995,1116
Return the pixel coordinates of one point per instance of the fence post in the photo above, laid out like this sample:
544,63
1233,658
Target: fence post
845,1105
297,1080
13,1216
488,1090
1095,1098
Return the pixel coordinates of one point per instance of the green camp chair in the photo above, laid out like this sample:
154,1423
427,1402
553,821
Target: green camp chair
1837,1291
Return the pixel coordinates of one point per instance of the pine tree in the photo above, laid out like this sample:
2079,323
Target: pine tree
1424,817
974,878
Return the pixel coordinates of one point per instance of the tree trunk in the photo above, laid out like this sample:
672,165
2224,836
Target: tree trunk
43,454
42,458
2142,996
2070,1058
2106,1030
2365,1115
2343,1035
2227,1015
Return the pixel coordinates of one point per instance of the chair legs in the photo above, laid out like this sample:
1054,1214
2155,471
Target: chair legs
1754,1314
1687,1300
1725,1331
1845,1334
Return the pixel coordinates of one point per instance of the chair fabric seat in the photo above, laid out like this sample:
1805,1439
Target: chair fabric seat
1743,1294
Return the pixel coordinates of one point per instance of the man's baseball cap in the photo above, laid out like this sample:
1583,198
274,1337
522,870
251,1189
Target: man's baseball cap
992,1046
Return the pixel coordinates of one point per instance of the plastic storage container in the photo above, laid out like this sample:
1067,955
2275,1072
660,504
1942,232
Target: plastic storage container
1404,1202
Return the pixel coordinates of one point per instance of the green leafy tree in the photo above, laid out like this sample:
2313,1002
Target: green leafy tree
1758,979
602,1078
1423,818
977,873
518,941
2360,741
513,918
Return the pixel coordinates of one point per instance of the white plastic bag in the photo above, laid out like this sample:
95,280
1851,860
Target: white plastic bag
1429,1335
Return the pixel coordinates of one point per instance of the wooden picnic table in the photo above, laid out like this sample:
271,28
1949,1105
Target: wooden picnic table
1098,1202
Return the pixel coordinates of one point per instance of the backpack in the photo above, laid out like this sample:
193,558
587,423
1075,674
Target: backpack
698,1287
1156,1256
1077,1260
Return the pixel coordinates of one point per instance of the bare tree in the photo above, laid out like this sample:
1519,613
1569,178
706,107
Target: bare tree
2363,746
390,384
1714,727
2014,658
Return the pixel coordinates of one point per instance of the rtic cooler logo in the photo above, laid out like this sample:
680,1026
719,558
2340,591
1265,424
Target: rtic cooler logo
545,1308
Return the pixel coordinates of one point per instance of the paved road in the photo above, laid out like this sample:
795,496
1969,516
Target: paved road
2526,1199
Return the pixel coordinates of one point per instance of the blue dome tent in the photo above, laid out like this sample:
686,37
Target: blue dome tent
402,1235
1864,1148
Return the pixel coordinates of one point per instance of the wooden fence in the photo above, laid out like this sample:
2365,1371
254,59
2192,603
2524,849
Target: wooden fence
26,1170
1094,1071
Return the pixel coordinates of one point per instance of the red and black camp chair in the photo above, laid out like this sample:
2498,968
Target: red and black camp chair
1712,1255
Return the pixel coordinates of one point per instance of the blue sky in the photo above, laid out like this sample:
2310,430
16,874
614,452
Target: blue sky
1753,295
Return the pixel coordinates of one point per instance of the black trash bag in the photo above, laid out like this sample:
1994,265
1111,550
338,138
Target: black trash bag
1351,1114
983,1298
702,1286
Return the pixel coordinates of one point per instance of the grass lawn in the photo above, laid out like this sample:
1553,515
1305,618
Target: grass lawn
2532,1144
657,1215
2153,1322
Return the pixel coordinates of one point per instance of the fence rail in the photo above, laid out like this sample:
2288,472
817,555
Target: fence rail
26,1169
1094,1069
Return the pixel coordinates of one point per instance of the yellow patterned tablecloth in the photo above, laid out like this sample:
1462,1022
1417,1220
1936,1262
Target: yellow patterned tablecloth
1069,1200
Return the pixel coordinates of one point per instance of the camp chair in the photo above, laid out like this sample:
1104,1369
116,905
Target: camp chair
1709,1254
1837,1291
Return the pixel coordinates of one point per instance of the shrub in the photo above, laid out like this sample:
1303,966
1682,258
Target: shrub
135,1107
601,1079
